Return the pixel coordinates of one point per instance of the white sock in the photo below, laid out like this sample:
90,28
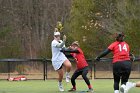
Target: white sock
134,84
116,91
67,73
60,83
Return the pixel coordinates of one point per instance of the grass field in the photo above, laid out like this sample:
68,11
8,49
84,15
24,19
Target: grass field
50,86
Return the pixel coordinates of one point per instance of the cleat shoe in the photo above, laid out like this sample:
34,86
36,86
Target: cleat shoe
129,85
122,88
72,90
60,86
116,91
90,90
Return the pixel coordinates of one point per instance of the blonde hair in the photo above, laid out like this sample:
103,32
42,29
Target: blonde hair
75,43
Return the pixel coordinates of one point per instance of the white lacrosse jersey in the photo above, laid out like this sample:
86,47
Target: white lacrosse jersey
58,57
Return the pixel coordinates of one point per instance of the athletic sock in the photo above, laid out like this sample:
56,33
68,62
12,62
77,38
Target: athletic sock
60,86
67,74
67,77
60,82
116,91
89,86
134,84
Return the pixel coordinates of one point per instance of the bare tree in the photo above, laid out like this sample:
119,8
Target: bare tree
33,22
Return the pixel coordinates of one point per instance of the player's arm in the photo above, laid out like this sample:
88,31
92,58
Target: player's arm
104,53
130,54
61,44
132,57
68,50
107,51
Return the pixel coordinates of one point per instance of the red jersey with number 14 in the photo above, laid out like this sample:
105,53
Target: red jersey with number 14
80,59
120,50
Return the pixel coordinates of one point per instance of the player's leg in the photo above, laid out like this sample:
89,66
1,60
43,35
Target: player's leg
60,78
126,70
116,83
138,84
67,64
116,75
84,75
73,78
130,85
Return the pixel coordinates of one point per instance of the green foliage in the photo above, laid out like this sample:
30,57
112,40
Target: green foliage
94,22
10,43
91,22
20,69
3,68
83,27
133,38
5,31
126,19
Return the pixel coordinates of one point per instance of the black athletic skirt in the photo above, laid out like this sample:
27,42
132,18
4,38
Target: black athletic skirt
122,68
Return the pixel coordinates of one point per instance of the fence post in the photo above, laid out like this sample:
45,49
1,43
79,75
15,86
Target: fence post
94,69
8,69
90,66
44,69
46,64
91,69
90,61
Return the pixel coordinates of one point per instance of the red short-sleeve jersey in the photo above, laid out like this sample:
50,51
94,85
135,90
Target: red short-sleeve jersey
80,59
120,50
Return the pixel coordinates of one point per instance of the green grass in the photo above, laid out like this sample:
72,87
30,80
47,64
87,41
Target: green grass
50,86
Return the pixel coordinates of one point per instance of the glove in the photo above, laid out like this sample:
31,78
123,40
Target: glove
97,59
133,57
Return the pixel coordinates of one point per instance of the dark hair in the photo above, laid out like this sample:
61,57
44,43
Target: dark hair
120,36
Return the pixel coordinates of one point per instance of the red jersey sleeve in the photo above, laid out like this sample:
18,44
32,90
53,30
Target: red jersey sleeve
80,51
111,46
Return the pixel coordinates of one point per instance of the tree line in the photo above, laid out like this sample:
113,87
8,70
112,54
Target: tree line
27,26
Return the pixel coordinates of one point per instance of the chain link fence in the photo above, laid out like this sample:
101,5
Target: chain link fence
42,69
104,70
33,69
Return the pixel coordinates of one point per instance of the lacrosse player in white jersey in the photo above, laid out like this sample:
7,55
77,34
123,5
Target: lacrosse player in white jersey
59,59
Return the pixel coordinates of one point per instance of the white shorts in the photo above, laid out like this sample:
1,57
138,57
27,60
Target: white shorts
58,64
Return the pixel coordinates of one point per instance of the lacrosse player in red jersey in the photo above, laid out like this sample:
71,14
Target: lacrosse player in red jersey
121,62
82,65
